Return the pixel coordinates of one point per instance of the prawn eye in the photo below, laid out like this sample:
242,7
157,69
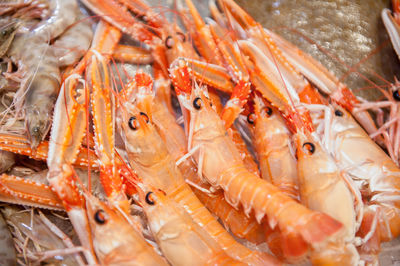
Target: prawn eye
309,148
100,217
338,112
197,103
145,116
149,198
169,42
181,36
251,118
396,95
267,110
133,123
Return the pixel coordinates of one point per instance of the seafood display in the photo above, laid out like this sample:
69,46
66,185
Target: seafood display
135,134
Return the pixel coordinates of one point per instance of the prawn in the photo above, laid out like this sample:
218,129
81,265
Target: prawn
174,137
151,160
115,241
282,95
39,67
272,142
375,173
222,167
182,240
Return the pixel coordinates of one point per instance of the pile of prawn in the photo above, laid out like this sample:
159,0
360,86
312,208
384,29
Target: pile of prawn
136,160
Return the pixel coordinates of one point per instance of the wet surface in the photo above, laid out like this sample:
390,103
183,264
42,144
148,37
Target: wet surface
350,33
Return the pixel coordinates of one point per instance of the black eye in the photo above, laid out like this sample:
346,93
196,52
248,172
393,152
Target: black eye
133,123
267,111
396,95
169,42
338,112
181,36
197,103
146,118
309,147
100,217
149,199
251,118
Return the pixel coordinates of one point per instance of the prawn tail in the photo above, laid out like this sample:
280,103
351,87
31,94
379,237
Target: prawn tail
294,248
319,228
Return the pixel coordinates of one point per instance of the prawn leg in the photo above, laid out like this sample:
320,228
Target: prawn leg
118,15
103,120
202,36
132,54
22,191
20,145
65,140
150,158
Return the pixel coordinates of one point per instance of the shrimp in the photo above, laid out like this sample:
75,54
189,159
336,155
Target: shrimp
39,67
322,187
151,160
272,142
175,141
182,241
282,95
115,241
235,136
373,170
222,167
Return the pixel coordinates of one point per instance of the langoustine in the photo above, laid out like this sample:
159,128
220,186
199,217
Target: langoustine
39,69
174,137
239,185
153,163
